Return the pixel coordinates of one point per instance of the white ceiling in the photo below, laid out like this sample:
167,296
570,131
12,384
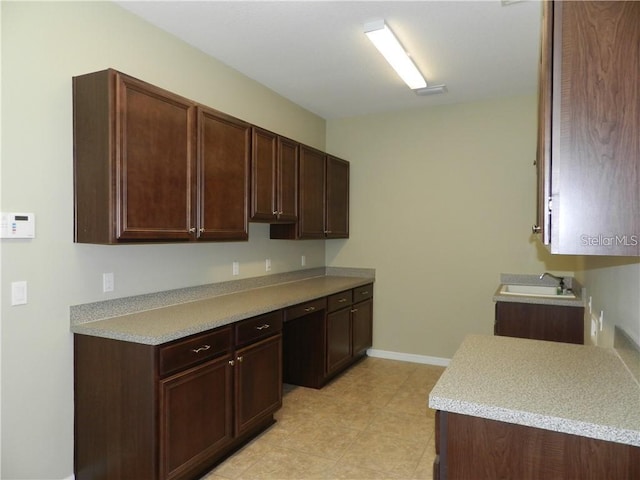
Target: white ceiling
316,54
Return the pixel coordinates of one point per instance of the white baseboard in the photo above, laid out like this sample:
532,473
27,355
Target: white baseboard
409,357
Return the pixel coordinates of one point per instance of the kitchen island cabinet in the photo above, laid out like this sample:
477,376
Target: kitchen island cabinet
529,409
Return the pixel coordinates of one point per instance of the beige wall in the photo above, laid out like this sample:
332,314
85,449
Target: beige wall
614,285
443,200
43,46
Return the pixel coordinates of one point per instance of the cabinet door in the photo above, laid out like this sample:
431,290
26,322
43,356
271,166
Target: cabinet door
258,382
154,162
287,180
312,181
337,198
595,161
196,408
224,146
263,175
362,324
338,339
543,156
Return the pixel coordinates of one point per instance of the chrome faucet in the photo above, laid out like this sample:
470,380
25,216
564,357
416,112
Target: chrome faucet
559,279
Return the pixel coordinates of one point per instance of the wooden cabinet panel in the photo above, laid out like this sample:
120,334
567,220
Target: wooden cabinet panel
362,326
472,447
134,158
287,180
224,146
338,339
337,198
184,353
258,382
274,178
311,195
594,172
197,410
540,322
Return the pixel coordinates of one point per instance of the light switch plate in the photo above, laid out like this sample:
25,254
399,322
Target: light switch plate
19,293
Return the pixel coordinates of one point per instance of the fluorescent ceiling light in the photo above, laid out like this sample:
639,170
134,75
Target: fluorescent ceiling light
389,46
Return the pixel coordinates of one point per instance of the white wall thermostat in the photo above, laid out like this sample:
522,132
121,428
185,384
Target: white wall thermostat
17,225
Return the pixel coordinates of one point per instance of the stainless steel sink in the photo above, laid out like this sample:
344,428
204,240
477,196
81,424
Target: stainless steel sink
535,291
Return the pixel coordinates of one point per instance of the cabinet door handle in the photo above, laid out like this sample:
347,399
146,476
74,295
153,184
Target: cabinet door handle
203,348
232,363
192,230
201,230
536,229
262,327
342,300
275,212
354,310
309,309
239,359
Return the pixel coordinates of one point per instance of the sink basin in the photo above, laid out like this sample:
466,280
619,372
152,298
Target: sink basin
534,291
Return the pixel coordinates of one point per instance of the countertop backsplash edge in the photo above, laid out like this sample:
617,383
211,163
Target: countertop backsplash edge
91,312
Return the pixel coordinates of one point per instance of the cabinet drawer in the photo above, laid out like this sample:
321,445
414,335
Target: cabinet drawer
362,293
303,309
258,327
339,300
185,353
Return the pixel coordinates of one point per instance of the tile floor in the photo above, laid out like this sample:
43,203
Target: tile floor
370,423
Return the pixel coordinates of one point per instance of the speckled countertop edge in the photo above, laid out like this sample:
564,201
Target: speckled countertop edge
162,322
518,279
575,389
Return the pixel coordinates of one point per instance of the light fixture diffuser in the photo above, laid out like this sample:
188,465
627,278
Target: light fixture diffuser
391,49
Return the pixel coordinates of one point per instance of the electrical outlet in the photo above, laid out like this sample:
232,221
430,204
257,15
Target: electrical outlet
108,282
267,265
235,268
303,260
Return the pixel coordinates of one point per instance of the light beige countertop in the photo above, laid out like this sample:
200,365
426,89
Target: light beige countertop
163,324
575,389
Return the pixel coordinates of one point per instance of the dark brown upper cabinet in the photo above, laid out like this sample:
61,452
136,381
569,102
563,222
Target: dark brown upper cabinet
224,146
337,198
274,178
152,166
588,149
323,198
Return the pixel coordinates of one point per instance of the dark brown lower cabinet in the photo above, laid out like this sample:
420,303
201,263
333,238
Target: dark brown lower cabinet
540,322
171,411
324,337
197,413
470,447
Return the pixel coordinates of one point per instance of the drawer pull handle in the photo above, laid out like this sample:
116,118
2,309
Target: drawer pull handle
354,310
201,349
262,327
239,359
342,300
366,292
309,309
232,363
